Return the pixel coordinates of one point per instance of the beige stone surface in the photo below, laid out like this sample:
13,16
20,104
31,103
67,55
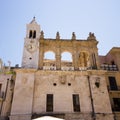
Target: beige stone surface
83,75
62,92
23,94
5,94
32,86
100,95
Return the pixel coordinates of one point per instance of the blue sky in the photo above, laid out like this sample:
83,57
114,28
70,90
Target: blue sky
102,17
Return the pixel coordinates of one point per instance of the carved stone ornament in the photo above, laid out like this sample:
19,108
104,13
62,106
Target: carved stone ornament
73,36
24,80
97,82
42,35
91,36
57,35
63,79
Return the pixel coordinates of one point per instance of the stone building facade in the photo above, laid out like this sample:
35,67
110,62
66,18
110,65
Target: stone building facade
83,88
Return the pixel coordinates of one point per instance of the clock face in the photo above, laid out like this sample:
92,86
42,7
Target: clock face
31,47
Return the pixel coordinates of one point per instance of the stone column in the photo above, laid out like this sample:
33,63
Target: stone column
75,59
58,58
41,54
97,61
91,62
74,53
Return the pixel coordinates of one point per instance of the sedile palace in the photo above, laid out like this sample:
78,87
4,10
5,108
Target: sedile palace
85,87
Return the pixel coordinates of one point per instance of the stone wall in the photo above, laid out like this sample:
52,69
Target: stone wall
5,95
23,93
67,84
32,87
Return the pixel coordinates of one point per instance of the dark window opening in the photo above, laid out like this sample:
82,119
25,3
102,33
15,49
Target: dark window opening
30,34
34,34
76,103
113,84
112,62
0,87
116,102
1,93
49,104
54,84
69,84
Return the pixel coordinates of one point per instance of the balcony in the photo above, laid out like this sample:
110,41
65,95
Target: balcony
113,89
109,67
116,109
83,68
49,67
67,68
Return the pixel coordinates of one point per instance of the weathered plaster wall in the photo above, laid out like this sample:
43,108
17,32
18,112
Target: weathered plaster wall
5,95
23,93
32,86
100,94
62,91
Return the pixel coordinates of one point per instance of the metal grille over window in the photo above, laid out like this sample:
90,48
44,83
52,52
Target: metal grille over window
49,104
113,84
76,103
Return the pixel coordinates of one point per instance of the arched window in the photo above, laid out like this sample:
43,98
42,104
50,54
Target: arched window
49,60
66,56
49,55
34,34
66,61
30,34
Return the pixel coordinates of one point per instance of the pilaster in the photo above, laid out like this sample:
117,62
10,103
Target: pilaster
41,53
97,61
58,58
23,95
75,59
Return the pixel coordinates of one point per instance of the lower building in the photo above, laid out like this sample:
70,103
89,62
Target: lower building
67,94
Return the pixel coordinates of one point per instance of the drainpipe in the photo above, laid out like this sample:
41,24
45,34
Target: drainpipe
93,110
32,112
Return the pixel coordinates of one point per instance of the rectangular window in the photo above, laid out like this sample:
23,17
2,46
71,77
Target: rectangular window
49,104
113,84
116,102
0,87
76,103
1,93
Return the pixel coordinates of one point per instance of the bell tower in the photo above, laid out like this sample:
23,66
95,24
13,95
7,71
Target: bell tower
31,45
